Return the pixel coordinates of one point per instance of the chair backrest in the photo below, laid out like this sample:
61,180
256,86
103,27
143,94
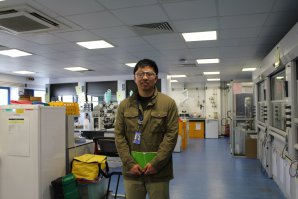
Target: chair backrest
105,146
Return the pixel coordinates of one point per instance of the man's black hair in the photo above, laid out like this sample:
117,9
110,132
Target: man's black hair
146,62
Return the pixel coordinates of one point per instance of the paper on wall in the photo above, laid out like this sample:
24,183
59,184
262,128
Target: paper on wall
18,141
198,125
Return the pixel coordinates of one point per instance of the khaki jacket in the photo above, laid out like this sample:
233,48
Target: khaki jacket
159,134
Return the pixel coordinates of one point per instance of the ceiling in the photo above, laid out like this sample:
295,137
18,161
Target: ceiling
246,31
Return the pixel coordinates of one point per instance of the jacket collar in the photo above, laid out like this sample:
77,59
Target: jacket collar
133,98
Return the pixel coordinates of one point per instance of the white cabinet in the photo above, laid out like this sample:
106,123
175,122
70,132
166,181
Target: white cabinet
211,128
32,150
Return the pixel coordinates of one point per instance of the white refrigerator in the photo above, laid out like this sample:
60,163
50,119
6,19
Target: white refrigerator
32,150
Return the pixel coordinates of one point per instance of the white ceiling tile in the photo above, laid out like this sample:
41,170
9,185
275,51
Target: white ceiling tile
141,15
205,53
277,19
77,36
115,32
128,41
234,52
65,47
140,48
286,5
164,38
244,7
238,41
239,33
116,4
243,21
273,32
44,39
72,7
191,9
202,44
196,25
169,46
95,20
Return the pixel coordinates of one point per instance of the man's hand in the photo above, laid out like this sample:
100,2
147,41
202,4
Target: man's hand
149,169
136,170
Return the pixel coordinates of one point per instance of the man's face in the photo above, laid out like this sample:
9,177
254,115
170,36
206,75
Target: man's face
145,78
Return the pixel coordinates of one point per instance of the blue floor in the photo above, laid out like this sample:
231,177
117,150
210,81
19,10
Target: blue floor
207,170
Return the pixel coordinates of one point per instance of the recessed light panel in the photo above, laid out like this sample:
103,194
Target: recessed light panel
279,77
214,79
208,61
76,69
174,80
14,53
200,36
132,65
95,44
248,69
23,72
211,73
175,76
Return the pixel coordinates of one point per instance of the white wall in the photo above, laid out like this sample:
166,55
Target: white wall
196,97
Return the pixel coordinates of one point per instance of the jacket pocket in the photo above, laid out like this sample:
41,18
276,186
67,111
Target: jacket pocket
158,121
131,121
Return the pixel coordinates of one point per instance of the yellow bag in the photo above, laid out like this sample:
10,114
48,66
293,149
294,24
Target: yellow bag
89,166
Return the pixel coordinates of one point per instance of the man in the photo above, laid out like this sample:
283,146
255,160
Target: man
147,122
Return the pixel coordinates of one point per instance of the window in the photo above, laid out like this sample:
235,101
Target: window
41,94
279,90
5,95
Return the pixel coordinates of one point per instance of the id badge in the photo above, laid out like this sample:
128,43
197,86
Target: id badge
137,138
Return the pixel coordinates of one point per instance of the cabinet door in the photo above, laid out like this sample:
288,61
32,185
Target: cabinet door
196,129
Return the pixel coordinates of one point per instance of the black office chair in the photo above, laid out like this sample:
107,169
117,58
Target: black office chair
106,146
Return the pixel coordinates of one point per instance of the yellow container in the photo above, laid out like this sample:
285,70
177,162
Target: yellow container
72,108
196,129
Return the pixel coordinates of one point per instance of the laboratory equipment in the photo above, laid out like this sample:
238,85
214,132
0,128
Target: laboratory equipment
104,115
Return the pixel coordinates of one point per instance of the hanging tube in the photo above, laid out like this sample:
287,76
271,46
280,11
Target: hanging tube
277,131
261,127
278,136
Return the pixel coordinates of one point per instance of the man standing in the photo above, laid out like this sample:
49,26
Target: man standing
147,122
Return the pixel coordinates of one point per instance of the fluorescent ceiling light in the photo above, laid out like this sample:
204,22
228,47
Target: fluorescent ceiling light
211,73
207,61
14,53
174,76
131,64
76,69
215,79
200,36
248,69
23,72
174,80
279,77
95,44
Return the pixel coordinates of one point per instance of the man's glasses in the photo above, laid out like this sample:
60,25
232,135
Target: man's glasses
149,74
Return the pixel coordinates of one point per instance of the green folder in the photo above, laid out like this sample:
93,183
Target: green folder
142,158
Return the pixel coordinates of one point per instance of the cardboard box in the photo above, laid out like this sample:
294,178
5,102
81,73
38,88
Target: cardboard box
24,97
250,147
35,99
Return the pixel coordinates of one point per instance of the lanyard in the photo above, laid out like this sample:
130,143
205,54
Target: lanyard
140,117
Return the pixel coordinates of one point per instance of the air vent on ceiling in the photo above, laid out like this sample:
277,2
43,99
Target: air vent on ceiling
153,28
25,20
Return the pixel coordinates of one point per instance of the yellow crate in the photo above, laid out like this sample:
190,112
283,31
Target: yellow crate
71,108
